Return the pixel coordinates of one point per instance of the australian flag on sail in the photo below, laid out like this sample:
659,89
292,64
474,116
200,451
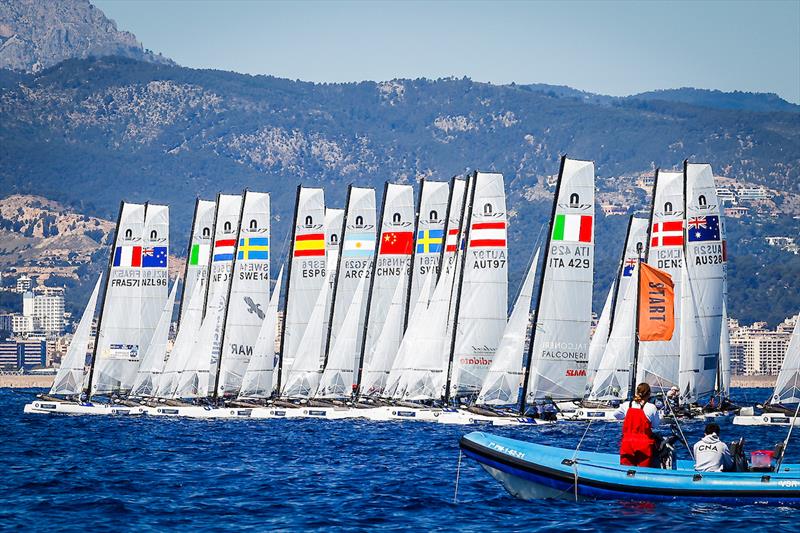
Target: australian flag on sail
154,257
700,229
627,270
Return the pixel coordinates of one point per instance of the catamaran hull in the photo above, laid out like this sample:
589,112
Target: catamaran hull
767,419
530,471
591,414
68,408
467,418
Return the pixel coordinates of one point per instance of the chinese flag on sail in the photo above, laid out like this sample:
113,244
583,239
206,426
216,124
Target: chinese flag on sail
397,243
656,304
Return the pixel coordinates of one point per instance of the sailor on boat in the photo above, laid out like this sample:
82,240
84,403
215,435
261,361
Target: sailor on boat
710,453
640,419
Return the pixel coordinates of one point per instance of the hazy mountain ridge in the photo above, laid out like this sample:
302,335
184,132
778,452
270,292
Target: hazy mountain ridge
35,35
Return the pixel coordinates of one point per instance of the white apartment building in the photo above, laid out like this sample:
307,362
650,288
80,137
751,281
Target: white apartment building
756,350
48,310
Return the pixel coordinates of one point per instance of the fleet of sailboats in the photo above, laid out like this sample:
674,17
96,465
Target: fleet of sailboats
398,312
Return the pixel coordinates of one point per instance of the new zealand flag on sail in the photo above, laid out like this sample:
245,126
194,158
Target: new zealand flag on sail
702,229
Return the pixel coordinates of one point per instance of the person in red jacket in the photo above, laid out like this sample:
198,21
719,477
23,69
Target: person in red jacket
640,419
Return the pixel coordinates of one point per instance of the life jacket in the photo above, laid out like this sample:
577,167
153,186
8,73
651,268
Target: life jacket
636,447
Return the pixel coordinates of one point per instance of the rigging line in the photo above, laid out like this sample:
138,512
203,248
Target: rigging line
675,418
786,441
575,461
458,475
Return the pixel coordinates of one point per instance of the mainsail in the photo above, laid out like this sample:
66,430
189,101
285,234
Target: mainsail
559,350
600,337
69,378
249,293
613,377
258,379
787,386
149,372
482,301
702,292
429,238
305,278
659,360
504,379
334,227
724,374
199,252
135,292
355,262
390,271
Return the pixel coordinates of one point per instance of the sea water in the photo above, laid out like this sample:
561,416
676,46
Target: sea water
143,474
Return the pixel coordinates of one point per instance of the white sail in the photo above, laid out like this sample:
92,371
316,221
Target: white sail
430,239
258,379
453,229
559,352
149,372
391,270
483,293
659,360
223,251
702,296
504,379
302,377
181,359
355,261
613,377
70,375
334,227
375,374
600,338
194,382
249,293
338,377
119,339
199,254
306,275
787,386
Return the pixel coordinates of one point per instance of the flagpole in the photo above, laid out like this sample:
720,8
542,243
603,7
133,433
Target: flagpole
638,314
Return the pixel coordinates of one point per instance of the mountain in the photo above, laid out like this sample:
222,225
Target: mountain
35,35
738,100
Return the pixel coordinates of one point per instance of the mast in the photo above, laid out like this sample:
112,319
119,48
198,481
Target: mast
413,257
619,276
539,295
632,388
443,251
211,254
228,296
103,305
188,256
466,215
359,370
650,224
336,278
286,300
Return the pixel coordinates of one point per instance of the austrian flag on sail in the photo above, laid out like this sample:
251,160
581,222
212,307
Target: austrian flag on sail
487,235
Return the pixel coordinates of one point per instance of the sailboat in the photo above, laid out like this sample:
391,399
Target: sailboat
149,373
781,408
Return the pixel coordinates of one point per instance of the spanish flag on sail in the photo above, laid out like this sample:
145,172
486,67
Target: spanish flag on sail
309,245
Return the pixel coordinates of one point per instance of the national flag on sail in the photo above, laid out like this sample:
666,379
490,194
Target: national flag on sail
253,248
309,245
628,268
223,249
397,243
359,245
429,241
452,240
667,233
199,255
154,257
487,235
576,228
701,229
128,256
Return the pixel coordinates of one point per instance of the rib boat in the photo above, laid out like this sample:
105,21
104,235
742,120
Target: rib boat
533,471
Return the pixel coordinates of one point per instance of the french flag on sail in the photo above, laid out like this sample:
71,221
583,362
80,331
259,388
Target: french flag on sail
223,249
488,235
128,256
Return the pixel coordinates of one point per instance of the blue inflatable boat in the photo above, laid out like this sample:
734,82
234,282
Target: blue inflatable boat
532,471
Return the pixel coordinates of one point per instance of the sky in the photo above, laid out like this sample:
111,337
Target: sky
615,48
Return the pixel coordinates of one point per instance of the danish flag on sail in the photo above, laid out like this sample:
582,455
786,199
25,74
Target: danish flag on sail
669,233
488,235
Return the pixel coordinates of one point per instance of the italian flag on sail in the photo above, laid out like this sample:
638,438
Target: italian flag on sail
576,228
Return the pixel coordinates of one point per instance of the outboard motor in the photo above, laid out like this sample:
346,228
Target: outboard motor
665,451
739,457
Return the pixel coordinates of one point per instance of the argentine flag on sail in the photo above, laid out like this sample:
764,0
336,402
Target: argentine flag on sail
359,245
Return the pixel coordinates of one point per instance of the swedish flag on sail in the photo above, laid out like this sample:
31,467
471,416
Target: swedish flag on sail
253,248
429,241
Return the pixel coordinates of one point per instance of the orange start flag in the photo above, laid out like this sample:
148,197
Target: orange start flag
656,304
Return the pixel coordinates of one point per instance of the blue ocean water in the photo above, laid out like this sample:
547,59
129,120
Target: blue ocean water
142,474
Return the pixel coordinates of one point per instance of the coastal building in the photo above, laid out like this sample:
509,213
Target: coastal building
726,196
745,194
736,212
24,284
6,322
48,310
22,354
756,350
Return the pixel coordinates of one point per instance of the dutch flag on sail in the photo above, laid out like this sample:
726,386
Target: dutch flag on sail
223,249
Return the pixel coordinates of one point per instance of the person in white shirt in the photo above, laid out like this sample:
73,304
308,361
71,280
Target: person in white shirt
710,453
